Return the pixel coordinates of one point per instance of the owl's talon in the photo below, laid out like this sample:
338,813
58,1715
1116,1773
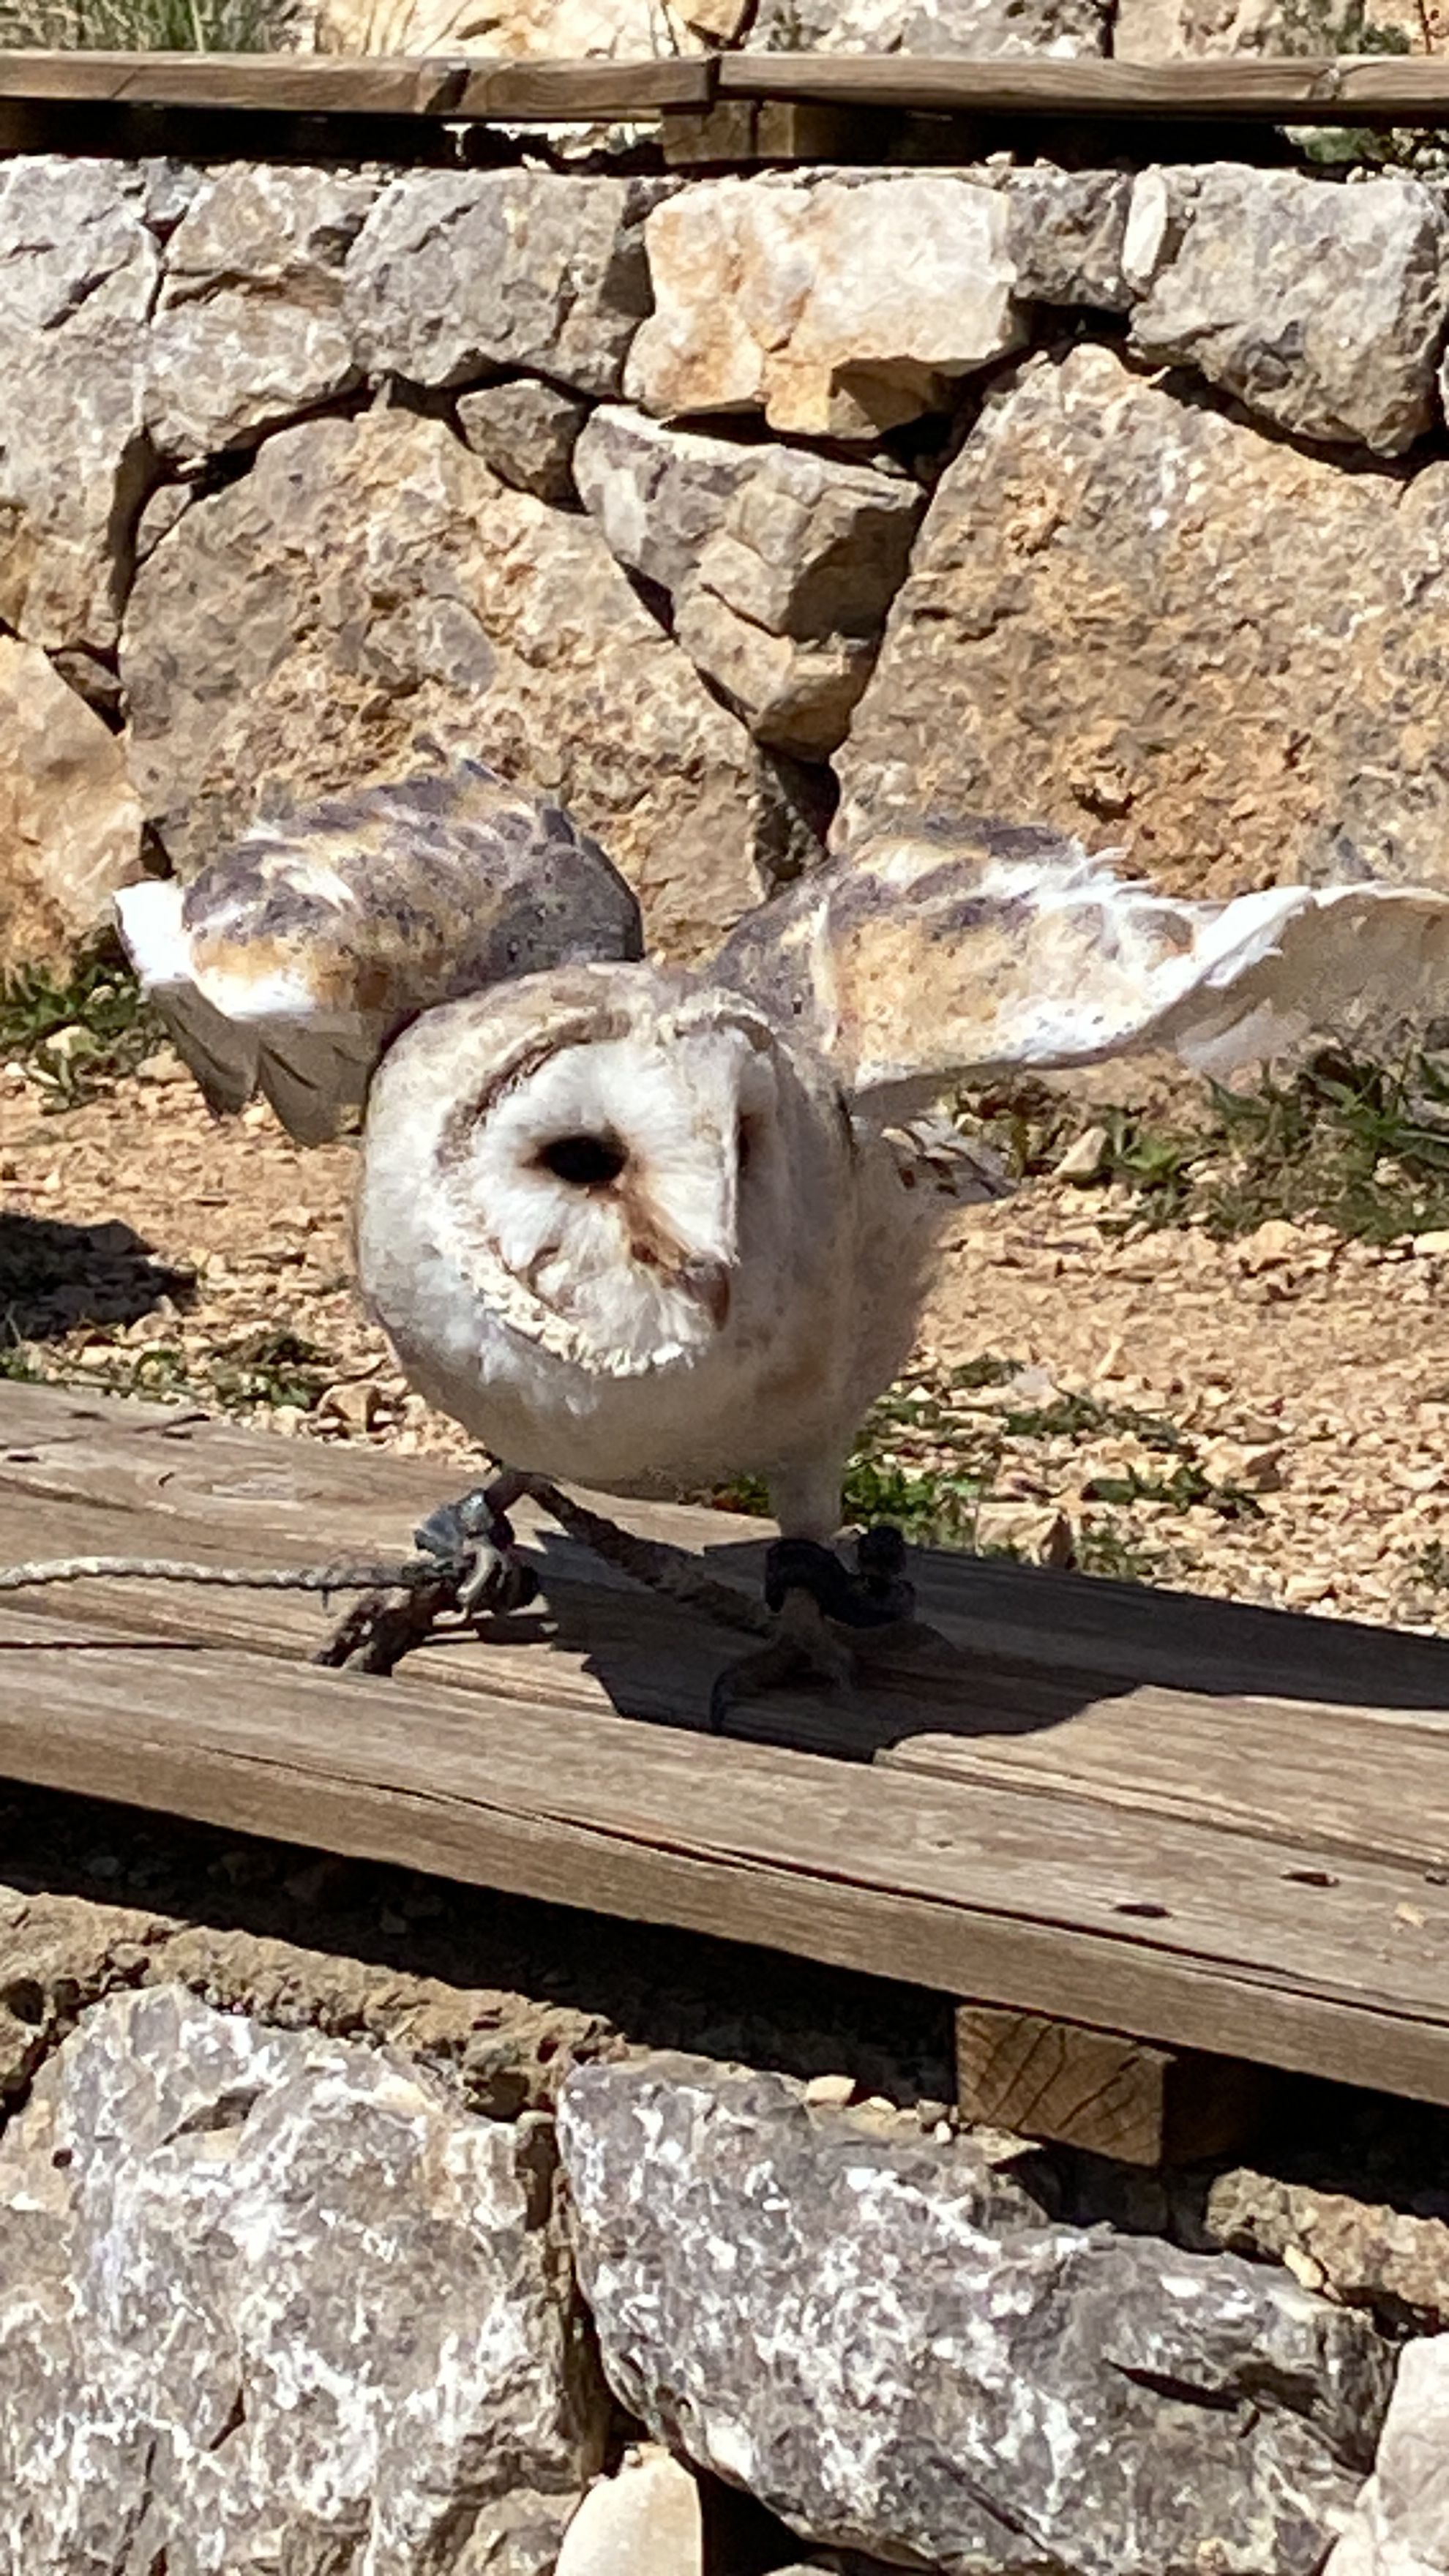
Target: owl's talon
877,1594
474,1543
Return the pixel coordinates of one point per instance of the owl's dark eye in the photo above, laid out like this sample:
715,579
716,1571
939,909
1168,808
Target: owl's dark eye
587,1162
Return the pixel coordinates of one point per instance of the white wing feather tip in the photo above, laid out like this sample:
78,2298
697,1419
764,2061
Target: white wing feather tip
936,958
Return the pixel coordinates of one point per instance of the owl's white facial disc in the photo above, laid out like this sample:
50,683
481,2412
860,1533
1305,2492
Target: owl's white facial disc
608,1195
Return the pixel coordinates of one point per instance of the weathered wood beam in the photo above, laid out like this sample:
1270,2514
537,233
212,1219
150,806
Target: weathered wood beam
1101,2090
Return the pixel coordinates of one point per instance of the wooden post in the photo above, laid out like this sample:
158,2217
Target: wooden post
1062,2081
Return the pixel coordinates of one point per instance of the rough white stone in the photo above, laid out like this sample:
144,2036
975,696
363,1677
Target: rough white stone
78,276
837,307
781,565
892,2351
525,433
1062,28
1400,2526
659,494
269,2301
250,330
1322,308
460,273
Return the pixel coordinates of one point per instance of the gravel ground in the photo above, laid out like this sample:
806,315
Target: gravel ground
1263,1418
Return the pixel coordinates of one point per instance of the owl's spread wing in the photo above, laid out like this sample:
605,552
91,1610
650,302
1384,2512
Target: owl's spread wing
980,948
291,960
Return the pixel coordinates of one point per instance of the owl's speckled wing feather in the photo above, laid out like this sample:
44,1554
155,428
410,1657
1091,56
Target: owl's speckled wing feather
963,951
293,958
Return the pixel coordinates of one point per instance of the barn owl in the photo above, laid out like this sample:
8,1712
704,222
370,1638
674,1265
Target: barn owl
646,1230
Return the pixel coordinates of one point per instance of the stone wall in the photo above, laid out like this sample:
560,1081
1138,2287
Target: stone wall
1115,501
274,2298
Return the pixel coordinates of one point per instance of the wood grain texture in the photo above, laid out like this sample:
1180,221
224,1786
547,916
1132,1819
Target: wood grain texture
1114,1855
1099,2090
376,85
1319,89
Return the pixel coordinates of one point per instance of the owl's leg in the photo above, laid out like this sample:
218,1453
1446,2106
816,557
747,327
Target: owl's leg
479,1570
818,1601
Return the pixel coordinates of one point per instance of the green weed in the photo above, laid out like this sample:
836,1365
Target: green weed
76,1037
150,26
1360,1146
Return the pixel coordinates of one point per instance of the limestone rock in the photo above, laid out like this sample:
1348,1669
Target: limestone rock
1323,308
250,330
459,273
70,820
900,2358
1401,2524
525,433
839,307
1058,651
1367,2254
370,580
1163,30
78,275
644,2522
781,565
659,494
566,30
1064,236
261,2290
983,27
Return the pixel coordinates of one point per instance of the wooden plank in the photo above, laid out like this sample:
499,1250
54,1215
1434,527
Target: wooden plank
767,130
1100,2090
1172,1933
455,85
106,1454
1318,89
1280,1770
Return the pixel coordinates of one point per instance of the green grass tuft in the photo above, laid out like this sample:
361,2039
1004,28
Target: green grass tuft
1359,1146
77,1037
151,26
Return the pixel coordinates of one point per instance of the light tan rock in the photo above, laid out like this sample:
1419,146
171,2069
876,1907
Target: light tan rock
1163,30
518,30
1060,651
78,274
249,330
1322,308
70,820
658,493
369,580
839,307
644,2522
781,565
1063,28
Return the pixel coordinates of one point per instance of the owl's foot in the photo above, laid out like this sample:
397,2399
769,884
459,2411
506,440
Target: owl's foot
473,1542
478,1570
814,1596
876,1594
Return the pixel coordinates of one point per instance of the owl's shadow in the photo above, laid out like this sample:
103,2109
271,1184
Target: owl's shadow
1000,1649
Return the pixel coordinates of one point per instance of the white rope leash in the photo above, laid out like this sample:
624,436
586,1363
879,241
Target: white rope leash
165,1569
